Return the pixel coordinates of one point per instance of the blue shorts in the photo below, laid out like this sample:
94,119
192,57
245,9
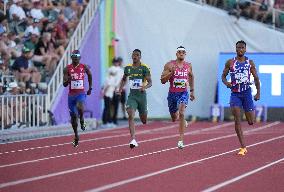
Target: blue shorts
73,100
242,100
176,98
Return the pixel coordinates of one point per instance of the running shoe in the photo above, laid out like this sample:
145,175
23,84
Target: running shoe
75,143
133,144
242,151
83,125
180,145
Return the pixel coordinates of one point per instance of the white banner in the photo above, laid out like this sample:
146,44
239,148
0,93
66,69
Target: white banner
158,27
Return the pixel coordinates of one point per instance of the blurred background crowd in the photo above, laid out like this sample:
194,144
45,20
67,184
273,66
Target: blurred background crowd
33,37
260,10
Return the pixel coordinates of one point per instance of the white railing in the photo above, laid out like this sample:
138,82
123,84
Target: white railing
74,43
19,111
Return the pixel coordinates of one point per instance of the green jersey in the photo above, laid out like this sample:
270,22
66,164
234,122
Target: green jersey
137,76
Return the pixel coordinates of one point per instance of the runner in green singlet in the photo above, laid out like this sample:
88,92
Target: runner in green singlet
139,80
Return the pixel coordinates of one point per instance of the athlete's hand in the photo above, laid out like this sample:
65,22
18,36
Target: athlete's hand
118,92
229,84
89,92
142,89
102,94
67,80
257,96
192,97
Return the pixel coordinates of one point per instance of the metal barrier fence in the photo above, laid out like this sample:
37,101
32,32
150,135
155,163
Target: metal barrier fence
18,111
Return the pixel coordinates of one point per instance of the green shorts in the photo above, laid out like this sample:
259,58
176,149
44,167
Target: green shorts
137,100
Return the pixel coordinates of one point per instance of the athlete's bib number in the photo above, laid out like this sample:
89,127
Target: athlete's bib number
180,83
78,84
242,77
136,83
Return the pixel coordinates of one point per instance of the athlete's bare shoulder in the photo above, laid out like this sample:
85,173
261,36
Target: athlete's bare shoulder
229,63
169,65
188,63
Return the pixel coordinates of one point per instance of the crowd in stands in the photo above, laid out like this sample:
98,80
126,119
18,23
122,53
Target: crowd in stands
33,37
260,10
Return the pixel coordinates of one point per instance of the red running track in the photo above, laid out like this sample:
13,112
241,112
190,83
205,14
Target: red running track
104,162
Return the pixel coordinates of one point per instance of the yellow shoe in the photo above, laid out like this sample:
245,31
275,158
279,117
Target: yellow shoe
242,151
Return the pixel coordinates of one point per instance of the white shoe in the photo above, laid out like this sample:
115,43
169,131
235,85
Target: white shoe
112,125
133,144
104,126
180,145
185,123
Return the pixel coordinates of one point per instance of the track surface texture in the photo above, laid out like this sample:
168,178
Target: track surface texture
103,160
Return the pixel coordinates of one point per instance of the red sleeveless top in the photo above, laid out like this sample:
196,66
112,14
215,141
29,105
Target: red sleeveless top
178,81
77,74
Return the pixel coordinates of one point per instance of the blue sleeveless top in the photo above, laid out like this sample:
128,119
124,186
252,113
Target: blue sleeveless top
240,75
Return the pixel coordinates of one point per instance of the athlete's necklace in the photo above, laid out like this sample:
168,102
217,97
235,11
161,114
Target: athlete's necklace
76,65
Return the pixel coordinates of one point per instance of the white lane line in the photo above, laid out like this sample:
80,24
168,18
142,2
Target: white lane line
123,182
112,130
88,140
55,136
225,183
21,181
115,146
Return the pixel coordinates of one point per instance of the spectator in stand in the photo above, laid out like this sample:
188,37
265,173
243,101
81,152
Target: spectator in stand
36,11
22,70
61,29
259,10
57,45
10,105
82,5
11,41
279,4
13,45
17,16
27,6
33,27
72,12
4,64
32,41
18,108
1,91
4,46
22,88
279,17
3,24
38,60
48,58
